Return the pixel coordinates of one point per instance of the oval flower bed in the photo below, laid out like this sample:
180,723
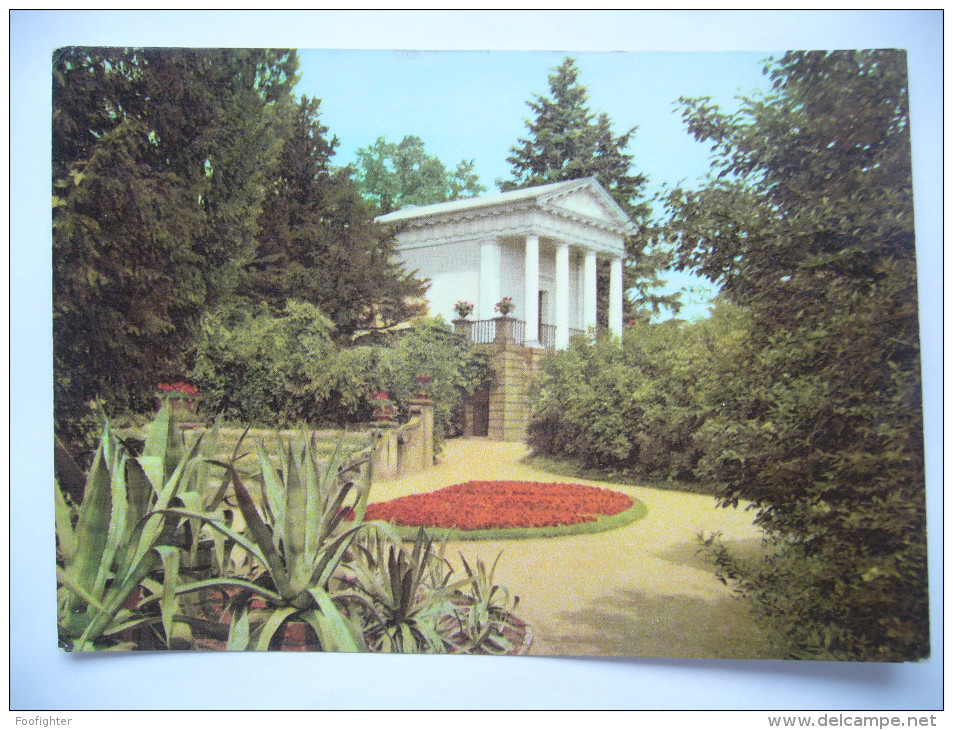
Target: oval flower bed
505,510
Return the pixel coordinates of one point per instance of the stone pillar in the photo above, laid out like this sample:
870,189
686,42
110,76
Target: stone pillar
514,368
531,291
589,291
615,296
503,333
464,328
386,457
562,296
423,408
489,279
469,415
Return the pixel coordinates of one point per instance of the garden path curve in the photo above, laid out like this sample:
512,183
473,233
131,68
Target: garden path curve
640,590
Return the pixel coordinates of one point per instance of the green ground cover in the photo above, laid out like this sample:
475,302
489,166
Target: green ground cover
576,468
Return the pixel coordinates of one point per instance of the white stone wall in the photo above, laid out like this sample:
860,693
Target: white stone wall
454,271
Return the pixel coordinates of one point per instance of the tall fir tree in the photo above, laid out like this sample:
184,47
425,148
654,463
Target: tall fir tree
318,242
567,141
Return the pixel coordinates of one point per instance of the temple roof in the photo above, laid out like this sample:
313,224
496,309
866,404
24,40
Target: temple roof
584,199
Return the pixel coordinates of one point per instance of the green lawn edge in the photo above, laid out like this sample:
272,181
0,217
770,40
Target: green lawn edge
637,511
574,468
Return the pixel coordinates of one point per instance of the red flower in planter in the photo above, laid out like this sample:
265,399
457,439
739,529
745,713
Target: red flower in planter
505,306
384,408
179,389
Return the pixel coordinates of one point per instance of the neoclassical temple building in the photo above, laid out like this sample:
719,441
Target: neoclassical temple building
538,246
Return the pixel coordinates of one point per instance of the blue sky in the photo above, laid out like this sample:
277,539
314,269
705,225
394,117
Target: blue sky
472,105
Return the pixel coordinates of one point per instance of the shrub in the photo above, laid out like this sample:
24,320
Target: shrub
637,403
282,369
255,366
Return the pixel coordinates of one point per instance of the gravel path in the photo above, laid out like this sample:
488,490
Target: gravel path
641,590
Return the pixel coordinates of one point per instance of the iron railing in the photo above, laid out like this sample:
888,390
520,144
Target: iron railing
519,331
483,332
547,336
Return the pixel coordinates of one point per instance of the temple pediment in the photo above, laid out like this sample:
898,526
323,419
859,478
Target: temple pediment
579,210
588,201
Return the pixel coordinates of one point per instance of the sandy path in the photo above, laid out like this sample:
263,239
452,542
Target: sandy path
640,590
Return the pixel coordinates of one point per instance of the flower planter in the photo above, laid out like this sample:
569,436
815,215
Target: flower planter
463,309
183,399
180,406
295,636
505,306
508,627
384,408
422,382
384,413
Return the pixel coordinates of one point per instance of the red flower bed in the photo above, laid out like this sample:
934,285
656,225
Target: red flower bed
496,505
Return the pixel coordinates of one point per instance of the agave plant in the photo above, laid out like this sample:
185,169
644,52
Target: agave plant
485,613
298,537
111,542
403,596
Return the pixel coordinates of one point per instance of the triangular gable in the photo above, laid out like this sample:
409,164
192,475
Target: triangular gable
590,200
584,200
585,203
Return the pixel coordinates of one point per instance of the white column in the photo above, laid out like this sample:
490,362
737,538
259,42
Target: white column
562,295
615,296
489,279
531,291
589,291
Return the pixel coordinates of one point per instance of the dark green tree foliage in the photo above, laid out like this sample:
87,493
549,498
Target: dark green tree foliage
566,142
318,243
394,175
159,160
808,222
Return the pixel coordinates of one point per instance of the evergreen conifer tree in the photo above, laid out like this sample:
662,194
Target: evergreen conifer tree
567,141
159,160
318,242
